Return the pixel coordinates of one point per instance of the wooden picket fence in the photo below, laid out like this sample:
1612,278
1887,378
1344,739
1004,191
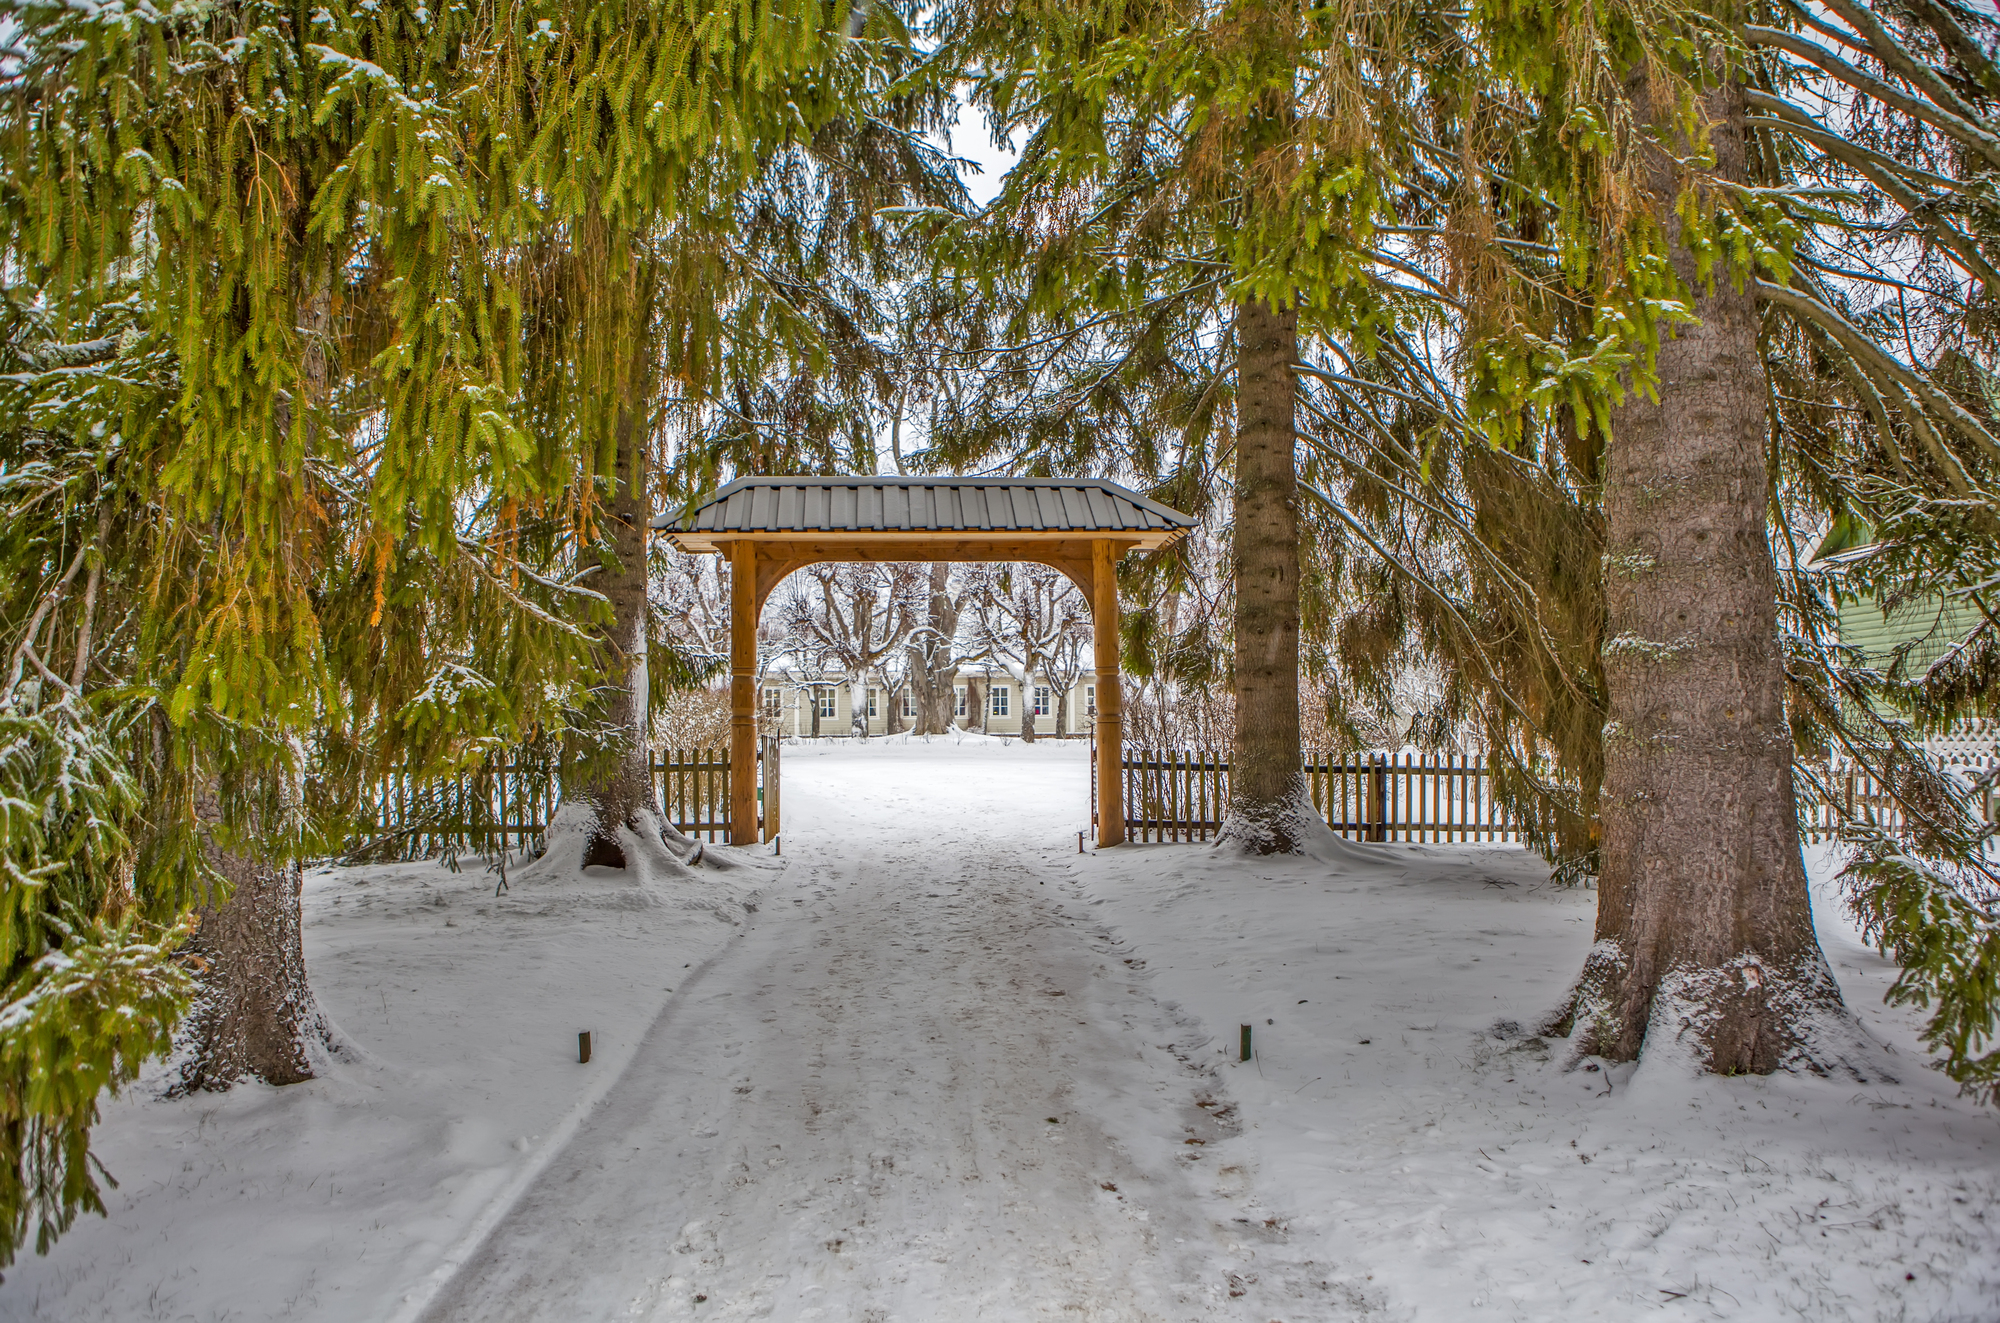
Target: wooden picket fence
1858,797
694,790
508,803
1180,795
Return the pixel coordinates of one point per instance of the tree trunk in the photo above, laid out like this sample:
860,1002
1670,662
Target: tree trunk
1704,930
1027,688
619,783
254,1011
1266,785
940,663
857,705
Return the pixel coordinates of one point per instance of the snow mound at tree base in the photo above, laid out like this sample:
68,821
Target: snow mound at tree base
1297,831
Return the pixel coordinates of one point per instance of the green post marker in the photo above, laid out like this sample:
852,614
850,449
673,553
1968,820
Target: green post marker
1246,1044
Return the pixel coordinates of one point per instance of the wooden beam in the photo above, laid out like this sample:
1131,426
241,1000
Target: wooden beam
744,602
1110,693
776,560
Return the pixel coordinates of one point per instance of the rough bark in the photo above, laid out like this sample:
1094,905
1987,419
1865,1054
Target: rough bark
932,663
1704,931
857,705
253,1015
1266,785
619,783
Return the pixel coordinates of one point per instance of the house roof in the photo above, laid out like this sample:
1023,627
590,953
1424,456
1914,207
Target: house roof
894,508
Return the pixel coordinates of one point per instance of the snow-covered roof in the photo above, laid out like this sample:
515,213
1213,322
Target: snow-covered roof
895,507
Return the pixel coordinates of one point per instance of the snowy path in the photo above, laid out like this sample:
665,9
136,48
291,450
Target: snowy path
908,1091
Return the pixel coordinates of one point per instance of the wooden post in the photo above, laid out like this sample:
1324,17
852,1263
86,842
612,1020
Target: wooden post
1110,694
743,694
772,822
1379,772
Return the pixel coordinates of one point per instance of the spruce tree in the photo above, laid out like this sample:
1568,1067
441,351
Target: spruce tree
270,269
1197,184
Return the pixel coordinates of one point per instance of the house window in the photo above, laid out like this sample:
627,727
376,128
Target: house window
872,713
960,691
826,708
1090,698
1000,700
1041,700
771,701
909,704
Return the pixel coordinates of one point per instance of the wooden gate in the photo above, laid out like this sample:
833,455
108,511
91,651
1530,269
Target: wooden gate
694,790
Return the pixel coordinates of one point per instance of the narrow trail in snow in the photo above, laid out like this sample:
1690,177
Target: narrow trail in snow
910,1091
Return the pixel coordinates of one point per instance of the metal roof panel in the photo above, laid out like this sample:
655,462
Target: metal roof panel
841,504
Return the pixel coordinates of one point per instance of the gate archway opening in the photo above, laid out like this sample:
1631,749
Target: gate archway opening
768,527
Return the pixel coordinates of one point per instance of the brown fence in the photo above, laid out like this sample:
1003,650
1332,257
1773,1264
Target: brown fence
1180,794
1855,796
694,790
507,804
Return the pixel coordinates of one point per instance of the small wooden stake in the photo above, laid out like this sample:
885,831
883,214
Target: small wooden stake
1246,1044
583,1045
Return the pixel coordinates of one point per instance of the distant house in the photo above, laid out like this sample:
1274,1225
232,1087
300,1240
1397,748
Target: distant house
1919,631
1922,630
987,699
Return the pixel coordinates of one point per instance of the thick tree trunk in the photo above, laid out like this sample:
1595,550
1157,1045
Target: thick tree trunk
253,1015
1704,931
620,782
939,662
1266,785
1027,696
857,705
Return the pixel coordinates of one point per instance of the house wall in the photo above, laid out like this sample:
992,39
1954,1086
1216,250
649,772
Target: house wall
1930,624
794,696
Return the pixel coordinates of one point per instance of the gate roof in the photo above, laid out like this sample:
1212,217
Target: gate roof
892,509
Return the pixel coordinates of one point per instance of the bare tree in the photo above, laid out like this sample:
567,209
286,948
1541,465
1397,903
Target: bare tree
851,617
931,654
1063,667
690,599
1020,617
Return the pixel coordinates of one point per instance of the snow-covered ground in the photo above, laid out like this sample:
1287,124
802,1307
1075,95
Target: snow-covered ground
942,1067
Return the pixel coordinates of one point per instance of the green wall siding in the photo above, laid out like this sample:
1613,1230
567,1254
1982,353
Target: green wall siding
1933,624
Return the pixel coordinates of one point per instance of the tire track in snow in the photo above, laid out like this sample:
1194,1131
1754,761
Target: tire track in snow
899,1097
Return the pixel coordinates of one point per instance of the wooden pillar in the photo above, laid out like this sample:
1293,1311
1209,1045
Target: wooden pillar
743,694
1110,694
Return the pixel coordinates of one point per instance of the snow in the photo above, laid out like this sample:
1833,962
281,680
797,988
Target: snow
942,1067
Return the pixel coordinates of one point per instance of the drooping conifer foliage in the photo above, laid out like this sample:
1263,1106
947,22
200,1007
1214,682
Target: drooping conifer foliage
325,326
346,350
1452,456
1198,184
